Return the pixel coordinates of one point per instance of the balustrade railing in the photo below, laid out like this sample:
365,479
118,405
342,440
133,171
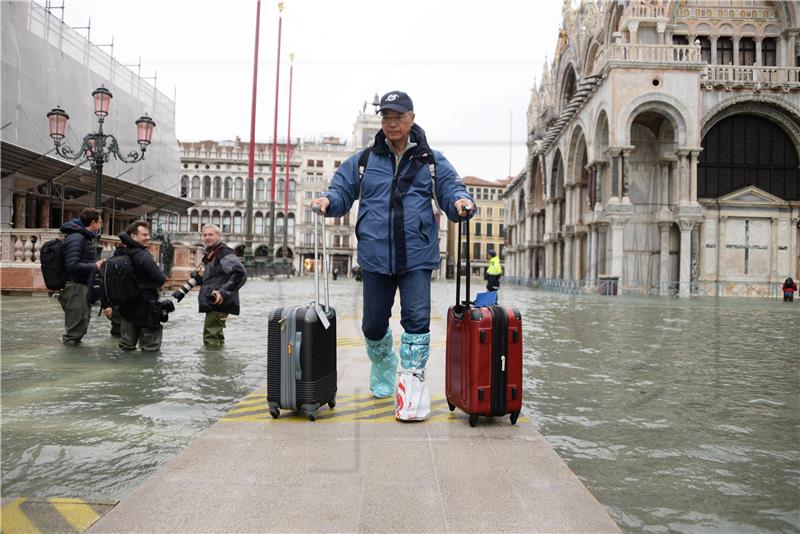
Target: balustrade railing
739,75
23,245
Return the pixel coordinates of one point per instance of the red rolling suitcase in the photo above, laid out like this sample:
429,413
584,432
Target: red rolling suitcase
483,373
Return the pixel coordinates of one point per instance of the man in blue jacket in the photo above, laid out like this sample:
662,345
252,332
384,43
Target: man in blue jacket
80,265
398,237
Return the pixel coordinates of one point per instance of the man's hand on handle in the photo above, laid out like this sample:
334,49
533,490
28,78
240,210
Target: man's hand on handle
322,202
464,207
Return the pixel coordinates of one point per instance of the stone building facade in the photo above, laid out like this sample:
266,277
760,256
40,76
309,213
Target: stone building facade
663,150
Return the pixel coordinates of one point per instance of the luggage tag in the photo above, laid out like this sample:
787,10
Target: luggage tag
322,317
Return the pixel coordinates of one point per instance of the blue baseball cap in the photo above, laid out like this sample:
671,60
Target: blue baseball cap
397,101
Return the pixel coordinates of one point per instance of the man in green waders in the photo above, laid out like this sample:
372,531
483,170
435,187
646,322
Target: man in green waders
221,275
493,272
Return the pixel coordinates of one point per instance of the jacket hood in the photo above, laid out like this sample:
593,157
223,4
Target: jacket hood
128,241
417,135
75,225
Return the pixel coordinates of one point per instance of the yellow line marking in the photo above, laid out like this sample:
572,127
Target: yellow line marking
77,513
247,409
14,519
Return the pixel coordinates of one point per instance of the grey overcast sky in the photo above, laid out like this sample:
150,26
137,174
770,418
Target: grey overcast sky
469,65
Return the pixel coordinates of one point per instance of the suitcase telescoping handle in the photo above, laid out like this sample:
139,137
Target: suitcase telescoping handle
324,258
465,221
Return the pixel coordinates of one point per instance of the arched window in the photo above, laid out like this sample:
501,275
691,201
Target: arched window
184,223
195,187
291,224
292,190
281,188
173,222
205,218
239,189
266,222
744,150
217,187
206,187
279,224
260,189
228,193
226,222
215,218
195,226
258,223
237,223
184,186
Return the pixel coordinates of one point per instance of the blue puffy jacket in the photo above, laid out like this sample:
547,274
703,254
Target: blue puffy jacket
79,256
396,228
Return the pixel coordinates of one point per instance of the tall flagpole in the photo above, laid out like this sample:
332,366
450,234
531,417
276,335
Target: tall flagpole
248,239
275,148
288,164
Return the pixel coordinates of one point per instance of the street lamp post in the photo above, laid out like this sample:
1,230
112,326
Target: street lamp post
98,147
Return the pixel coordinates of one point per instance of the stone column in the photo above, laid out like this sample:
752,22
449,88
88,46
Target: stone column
615,192
617,244
660,27
664,201
633,28
663,269
713,40
578,272
685,258
592,255
568,242
548,260
20,206
44,212
735,49
792,59
758,51
624,157
683,177
773,250
693,155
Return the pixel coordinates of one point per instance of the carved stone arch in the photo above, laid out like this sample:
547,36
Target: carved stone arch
602,135
557,176
611,20
591,57
669,106
575,155
567,79
782,113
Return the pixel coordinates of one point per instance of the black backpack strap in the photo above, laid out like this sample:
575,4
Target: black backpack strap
362,166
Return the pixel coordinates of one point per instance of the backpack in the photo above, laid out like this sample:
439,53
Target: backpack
116,281
54,270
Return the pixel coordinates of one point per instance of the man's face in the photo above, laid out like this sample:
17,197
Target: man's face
210,237
95,226
142,236
396,125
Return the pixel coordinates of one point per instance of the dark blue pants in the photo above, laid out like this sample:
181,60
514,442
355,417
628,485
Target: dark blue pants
415,302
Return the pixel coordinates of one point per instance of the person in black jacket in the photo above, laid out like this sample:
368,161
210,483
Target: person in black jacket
141,317
221,275
80,265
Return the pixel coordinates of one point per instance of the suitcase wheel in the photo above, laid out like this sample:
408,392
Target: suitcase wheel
332,403
451,406
312,416
275,413
514,417
473,420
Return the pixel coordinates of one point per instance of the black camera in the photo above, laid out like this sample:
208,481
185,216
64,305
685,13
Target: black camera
187,286
167,307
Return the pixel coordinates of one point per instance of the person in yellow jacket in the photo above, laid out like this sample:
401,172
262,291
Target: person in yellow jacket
493,272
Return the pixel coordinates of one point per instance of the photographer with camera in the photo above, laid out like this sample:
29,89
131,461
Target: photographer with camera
141,317
221,275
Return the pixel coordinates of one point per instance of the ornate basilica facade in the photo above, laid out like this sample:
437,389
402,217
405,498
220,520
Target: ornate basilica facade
663,150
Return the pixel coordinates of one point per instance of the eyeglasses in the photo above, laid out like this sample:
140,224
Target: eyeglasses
393,118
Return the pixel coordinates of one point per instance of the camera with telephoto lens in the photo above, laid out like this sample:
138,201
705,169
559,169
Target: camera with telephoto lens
167,307
187,286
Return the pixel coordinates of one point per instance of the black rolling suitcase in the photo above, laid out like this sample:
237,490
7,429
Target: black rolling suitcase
301,350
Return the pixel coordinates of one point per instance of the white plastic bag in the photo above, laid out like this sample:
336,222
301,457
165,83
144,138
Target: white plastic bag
413,397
